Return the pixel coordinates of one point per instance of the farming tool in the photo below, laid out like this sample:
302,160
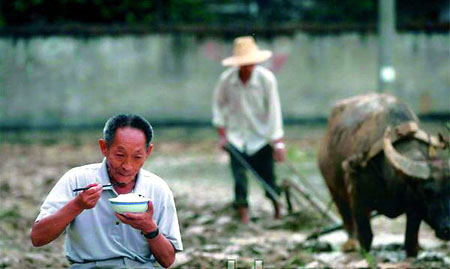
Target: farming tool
244,163
291,188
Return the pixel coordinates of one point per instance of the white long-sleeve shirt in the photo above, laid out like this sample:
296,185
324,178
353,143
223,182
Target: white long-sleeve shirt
250,113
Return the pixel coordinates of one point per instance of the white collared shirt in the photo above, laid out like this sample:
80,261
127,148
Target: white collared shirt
96,234
250,113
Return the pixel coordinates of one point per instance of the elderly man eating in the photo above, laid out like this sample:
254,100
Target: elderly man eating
96,236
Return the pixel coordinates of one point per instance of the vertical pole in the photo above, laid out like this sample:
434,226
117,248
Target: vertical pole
386,31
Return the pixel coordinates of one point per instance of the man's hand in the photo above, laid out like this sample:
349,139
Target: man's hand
140,221
279,151
160,246
49,228
88,199
222,138
223,142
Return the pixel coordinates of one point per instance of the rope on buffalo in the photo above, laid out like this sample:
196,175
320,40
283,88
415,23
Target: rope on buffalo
404,130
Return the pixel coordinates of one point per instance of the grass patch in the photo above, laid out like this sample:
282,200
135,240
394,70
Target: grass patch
370,259
10,214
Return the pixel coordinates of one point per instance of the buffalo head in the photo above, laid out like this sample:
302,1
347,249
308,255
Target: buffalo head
430,181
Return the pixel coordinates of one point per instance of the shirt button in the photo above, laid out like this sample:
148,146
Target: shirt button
117,223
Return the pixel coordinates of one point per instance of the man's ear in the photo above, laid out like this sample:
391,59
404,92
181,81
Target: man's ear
149,149
103,146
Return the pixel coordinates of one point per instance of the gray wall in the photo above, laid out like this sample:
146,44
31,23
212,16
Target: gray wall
67,81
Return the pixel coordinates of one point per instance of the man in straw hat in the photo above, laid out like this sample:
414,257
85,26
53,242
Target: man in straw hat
247,113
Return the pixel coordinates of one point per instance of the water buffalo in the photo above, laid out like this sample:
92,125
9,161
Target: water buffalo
366,170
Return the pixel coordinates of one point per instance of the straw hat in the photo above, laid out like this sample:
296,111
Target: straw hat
246,52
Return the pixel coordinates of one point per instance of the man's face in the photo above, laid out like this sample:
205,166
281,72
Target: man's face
126,155
246,69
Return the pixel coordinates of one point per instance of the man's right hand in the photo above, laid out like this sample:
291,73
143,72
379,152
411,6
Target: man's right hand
223,142
88,199
49,228
223,138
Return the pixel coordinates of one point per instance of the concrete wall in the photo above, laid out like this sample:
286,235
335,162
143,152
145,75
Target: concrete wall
65,81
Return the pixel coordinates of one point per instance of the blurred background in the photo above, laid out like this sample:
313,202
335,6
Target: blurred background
69,63
66,66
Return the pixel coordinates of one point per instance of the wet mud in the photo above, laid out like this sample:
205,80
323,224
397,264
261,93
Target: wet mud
197,172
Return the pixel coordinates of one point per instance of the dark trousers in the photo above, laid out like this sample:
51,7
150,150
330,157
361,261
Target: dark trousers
263,163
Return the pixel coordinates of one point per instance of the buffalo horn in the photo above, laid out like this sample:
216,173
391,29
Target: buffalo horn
411,168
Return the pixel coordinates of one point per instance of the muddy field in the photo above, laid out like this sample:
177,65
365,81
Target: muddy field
197,172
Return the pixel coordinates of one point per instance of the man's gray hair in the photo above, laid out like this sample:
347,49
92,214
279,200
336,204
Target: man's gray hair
127,120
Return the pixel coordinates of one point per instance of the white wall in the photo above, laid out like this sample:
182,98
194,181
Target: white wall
71,81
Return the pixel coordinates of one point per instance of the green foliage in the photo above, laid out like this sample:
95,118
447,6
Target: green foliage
296,155
370,259
297,260
10,214
170,12
83,11
193,11
349,11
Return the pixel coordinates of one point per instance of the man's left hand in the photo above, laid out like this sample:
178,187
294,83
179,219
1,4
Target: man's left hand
140,221
279,153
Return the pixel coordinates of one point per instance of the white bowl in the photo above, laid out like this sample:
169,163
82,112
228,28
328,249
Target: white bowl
129,202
